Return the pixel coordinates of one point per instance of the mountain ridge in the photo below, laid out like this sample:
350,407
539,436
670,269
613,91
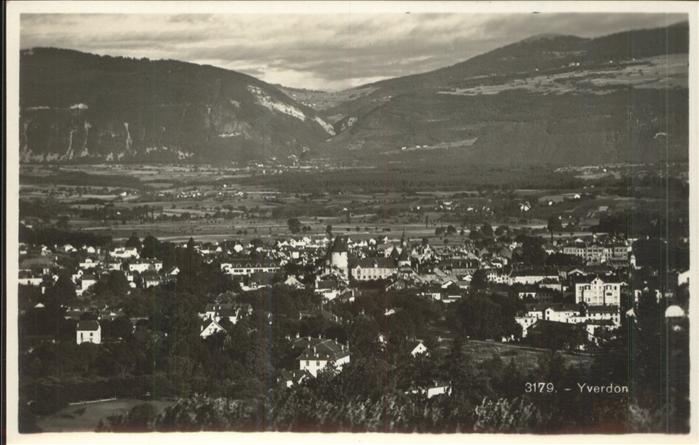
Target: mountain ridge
539,99
162,110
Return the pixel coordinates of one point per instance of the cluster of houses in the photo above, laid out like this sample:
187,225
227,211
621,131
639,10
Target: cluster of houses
588,295
39,270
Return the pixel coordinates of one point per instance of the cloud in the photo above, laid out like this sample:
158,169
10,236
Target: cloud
318,51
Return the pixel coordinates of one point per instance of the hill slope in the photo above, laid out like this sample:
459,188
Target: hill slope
552,99
77,106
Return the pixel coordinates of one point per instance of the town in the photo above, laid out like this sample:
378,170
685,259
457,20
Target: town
153,320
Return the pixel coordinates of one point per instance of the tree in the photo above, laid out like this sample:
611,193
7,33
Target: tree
133,241
563,260
533,253
294,225
554,225
487,230
151,247
140,418
478,317
506,416
63,292
112,287
479,280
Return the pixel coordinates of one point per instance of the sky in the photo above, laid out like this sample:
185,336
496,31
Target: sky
315,51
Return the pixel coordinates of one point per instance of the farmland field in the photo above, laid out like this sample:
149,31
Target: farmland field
86,417
527,358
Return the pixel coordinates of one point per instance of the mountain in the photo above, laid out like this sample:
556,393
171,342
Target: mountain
547,99
85,107
553,99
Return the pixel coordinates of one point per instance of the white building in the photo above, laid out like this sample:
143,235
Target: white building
372,269
144,265
683,278
338,256
27,278
124,252
420,348
86,282
88,263
319,353
88,331
530,278
211,328
598,253
248,268
598,293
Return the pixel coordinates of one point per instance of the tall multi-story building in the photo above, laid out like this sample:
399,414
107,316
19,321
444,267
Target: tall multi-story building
338,255
598,293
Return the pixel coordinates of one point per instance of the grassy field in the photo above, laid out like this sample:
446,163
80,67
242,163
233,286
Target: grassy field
526,358
85,417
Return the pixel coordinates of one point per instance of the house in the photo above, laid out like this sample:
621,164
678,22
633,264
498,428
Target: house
124,253
248,268
451,292
86,281
292,281
437,388
419,349
231,311
460,266
88,263
532,277
497,276
145,265
211,328
604,313
597,253
150,279
526,322
432,390
596,327
404,259
27,278
329,287
319,353
432,291
372,269
112,265
257,280
235,313
563,313
293,377
88,331
598,292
